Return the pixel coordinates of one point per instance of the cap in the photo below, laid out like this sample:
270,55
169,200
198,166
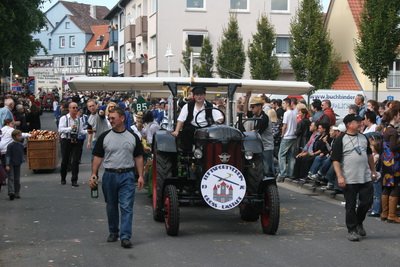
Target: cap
350,118
256,100
198,90
162,101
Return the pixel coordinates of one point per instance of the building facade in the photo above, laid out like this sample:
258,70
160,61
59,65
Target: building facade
151,34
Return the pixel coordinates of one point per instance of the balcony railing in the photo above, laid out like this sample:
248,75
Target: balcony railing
130,69
129,34
141,69
113,69
141,26
393,81
113,37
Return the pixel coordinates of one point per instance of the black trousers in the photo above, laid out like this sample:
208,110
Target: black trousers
70,153
355,215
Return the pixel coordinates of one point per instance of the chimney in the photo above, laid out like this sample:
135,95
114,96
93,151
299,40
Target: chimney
93,11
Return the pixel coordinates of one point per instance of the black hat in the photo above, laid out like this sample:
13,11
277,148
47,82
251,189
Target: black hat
351,117
198,90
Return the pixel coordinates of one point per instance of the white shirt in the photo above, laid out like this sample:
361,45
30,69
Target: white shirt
201,119
289,118
371,129
55,105
6,138
65,126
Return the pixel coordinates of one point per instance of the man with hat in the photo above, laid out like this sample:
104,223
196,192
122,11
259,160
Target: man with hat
353,163
263,127
187,118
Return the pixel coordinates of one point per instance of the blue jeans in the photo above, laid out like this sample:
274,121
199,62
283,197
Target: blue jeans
317,163
286,157
376,204
119,189
268,163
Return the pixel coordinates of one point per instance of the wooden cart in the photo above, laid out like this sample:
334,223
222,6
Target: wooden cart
42,155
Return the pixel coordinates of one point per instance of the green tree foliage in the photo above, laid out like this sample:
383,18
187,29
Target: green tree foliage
186,56
379,38
231,57
18,20
264,65
205,70
312,56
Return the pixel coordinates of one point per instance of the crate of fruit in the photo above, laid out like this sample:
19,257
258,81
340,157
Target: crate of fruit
42,150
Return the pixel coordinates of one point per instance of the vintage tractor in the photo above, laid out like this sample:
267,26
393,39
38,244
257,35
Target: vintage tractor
223,169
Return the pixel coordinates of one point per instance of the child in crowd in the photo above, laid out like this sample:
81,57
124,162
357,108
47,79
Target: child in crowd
376,147
14,159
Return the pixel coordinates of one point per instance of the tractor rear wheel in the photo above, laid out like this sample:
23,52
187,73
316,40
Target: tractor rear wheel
270,213
161,171
171,210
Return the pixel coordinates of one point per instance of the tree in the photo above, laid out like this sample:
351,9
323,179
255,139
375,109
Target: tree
379,38
264,65
205,70
312,56
231,58
186,56
18,20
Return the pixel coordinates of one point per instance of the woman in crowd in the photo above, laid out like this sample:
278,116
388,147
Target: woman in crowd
390,166
33,118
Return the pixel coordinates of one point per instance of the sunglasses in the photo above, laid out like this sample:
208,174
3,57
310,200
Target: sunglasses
74,107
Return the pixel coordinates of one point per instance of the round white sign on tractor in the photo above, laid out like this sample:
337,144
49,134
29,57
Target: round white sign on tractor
223,187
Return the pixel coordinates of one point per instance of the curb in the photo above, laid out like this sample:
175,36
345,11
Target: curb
315,190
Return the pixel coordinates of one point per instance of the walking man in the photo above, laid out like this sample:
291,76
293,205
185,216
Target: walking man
121,152
353,163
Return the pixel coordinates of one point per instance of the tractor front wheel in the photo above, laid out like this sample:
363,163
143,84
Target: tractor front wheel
171,210
270,213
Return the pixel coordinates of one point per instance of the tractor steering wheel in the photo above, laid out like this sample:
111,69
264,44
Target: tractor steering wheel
209,123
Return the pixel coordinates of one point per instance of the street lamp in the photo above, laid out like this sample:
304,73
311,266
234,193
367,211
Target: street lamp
11,75
168,55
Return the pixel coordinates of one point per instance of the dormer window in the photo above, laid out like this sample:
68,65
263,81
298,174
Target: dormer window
99,40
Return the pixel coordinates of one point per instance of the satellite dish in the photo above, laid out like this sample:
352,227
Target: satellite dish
130,55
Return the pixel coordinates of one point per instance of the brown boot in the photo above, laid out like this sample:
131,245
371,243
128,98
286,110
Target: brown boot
385,207
392,218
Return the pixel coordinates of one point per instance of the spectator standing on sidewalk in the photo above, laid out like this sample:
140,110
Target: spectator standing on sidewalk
14,160
328,111
353,163
121,151
362,108
287,149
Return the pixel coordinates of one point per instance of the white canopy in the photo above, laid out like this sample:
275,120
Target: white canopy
157,85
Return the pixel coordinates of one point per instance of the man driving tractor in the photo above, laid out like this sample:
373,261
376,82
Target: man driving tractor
187,121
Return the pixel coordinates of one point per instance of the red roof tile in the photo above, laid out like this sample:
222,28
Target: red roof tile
347,79
98,30
356,7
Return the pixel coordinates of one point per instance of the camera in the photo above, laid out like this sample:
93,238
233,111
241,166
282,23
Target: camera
74,135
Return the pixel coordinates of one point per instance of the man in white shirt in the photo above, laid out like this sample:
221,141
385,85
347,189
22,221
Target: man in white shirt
187,118
369,122
287,149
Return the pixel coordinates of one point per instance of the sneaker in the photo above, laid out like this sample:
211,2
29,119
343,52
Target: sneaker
11,196
17,196
353,236
63,182
126,243
112,237
373,214
360,230
75,184
327,187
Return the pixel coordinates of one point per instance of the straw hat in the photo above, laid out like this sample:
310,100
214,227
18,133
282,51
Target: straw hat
256,101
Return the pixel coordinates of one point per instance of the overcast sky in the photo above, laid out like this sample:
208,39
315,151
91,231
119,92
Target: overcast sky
111,3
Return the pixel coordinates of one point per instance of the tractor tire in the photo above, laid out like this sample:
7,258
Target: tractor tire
248,213
162,169
270,213
171,210
254,175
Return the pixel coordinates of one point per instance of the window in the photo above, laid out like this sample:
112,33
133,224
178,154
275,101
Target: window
280,5
100,63
49,46
67,25
69,61
122,20
122,54
153,46
393,79
62,62
153,6
195,41
94,63
195,4
72,41
62,41
139,11
76,61
241,5
282,45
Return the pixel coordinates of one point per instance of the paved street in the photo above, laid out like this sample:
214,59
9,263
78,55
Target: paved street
55,225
